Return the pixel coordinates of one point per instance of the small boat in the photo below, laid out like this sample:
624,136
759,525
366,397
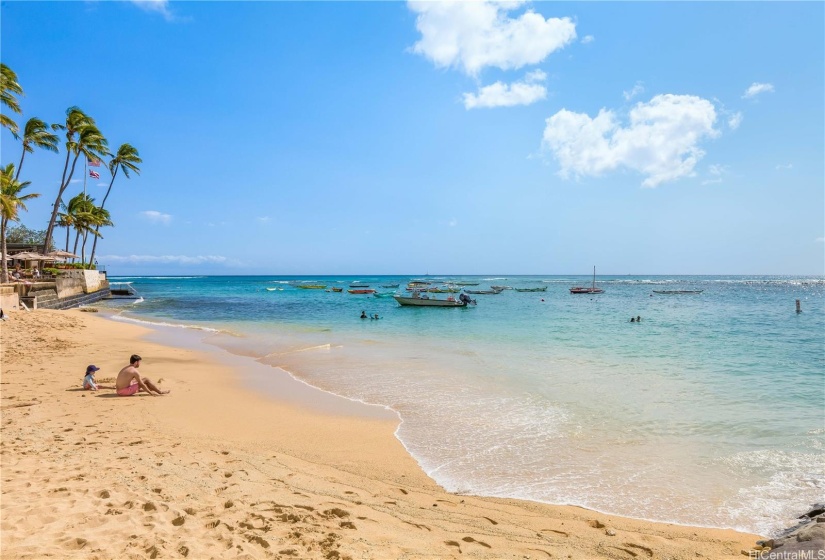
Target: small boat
585,290
500,288
542,289
358,285
418,301
311,286
383,294
672,292
361,291
482,292
274,289
390,285
466,283
337,289
444,290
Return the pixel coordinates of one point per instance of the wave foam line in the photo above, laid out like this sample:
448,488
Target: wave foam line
164,324
307,349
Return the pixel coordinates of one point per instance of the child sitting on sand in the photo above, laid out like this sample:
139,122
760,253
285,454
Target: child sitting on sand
89,381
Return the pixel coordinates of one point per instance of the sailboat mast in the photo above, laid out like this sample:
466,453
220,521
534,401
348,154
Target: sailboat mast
594,276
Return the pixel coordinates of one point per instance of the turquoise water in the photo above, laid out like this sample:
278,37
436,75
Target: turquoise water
710,412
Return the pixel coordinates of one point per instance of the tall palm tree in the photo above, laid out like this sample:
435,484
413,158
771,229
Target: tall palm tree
126,158
11,202
36,135
82,138
9,87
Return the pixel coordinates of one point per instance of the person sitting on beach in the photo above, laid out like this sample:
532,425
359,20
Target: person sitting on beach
129,381
363,314
89,381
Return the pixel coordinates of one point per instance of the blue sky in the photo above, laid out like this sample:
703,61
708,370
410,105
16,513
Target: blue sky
467,138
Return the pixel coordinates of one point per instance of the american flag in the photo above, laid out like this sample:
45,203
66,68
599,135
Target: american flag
94,174
94,163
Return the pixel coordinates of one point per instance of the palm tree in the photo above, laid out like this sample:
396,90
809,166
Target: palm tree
9,87
82,137
36,135
126,158
97,218
11,201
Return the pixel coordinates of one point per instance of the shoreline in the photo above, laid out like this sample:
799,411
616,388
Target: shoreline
232,489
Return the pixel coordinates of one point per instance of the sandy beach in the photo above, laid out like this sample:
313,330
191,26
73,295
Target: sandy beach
218,470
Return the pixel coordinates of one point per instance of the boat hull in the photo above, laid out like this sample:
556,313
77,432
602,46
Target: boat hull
586,291
677,292
424,302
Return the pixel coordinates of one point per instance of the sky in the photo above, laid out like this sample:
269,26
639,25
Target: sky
493,138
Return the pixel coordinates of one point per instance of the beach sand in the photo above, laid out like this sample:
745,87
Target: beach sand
216,470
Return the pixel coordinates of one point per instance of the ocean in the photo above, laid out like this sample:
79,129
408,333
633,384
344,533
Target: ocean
710,411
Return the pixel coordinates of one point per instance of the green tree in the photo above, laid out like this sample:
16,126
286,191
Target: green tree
22,234
82,138
9,88
11,202
36,135
128,159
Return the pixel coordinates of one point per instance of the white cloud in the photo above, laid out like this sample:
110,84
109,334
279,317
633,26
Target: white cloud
453,222
263,219
164,259
820,240
507,95
735,120
780,167
639,88
588,39
756,88
715,171
76,181
159,6
475,35
661,140
156,217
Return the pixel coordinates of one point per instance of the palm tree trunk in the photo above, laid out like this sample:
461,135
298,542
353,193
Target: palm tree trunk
4,276
67,237
76,238
64,182
20,165
102,204
83,249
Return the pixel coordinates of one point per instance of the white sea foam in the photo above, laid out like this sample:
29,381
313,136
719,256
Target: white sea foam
165,324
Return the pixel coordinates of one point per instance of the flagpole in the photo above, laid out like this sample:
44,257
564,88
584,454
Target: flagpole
85,175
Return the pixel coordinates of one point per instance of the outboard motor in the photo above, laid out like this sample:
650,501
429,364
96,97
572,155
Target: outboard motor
466,299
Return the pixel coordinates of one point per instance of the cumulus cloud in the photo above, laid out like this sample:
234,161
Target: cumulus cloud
157,6
263,219
164,259
786,166
638,89
735,120
474,35
588,39
660,141
500,94
156,217
756,88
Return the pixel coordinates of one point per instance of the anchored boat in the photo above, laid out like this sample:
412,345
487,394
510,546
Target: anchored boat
585,290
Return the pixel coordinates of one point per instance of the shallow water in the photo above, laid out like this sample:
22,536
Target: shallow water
711,411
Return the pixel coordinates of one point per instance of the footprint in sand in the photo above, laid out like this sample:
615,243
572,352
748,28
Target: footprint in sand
178,521
103,494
